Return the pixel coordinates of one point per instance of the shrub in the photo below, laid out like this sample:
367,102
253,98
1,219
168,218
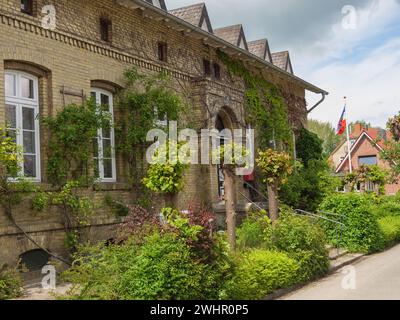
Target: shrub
387,208
160,267
390,227
10,283
138,224
303,241
255,232
259,273
361,232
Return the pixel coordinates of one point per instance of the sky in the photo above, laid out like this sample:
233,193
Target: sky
347,47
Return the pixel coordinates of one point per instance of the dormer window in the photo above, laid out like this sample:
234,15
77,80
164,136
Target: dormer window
163,52
207,67
27,7
105,29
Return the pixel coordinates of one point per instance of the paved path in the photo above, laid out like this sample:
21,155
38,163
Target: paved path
377,277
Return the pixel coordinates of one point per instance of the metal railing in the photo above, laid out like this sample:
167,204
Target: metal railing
340,226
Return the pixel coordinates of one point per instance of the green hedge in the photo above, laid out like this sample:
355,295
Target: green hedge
10,283
390,227
299,237
163,267
362,232
260,272
303,241
255,232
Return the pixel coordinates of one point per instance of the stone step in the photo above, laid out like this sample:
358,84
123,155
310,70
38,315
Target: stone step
345,260
336,253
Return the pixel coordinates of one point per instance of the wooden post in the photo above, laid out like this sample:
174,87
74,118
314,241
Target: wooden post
230,206
273,202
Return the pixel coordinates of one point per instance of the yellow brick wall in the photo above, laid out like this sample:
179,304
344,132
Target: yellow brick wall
73,55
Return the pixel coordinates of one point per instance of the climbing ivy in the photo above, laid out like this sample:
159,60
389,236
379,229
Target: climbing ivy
70,147
266,108
144,101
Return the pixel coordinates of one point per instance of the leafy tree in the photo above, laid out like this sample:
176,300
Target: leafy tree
392,148
275,167
326,133
312,179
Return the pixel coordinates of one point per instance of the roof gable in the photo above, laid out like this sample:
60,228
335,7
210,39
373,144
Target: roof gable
234,35
196,14
282,60
260,48
158,3
363,136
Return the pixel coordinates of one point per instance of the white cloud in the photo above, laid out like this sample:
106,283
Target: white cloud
370,81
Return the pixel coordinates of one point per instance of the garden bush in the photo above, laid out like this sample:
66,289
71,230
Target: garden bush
390,227
255,232
10,283
163,267
260,272
361,232
303,241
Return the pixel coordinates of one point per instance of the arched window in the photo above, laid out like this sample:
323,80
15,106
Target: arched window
22,118
104,150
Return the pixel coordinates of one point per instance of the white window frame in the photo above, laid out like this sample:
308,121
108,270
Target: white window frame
19,102
98,92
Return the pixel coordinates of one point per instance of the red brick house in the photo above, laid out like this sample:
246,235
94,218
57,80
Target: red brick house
367,145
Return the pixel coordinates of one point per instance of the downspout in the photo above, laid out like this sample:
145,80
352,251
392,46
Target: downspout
318,103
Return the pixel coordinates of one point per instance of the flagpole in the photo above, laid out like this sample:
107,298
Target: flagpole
348,135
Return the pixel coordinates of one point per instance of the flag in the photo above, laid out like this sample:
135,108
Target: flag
342,124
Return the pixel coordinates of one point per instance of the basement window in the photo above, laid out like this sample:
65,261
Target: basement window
27,7
207,67
34,260
105,29
162,51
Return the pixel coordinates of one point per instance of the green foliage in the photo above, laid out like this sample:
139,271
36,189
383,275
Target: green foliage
71,240
308,146
10,283
10,155
165,174
143,101
392,148
40,201
69,198
361,232
390,227
326,133
162,268
267,109
275,166
303,241
308,186
255,231
13,187
70,146
312,180
182,224
260,272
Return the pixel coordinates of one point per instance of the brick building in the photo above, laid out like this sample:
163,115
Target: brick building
84,52
367,144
